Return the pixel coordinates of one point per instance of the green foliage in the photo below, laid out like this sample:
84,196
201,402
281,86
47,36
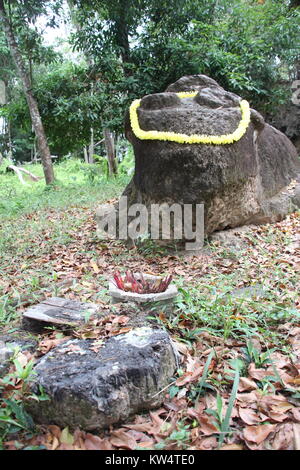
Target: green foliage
202,383
223,422
251,354
249,47
13,415
102,164
126,166
76,186
4,165
132,48
214,313
180,437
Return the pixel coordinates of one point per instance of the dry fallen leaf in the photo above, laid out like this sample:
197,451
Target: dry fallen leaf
95,267
258,434
122,439
206,425
55,444
232,447
246,384
206,443
249,416
296,432
92,442
283,439
142,427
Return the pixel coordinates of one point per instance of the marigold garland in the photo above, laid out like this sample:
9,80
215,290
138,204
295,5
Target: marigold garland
194,138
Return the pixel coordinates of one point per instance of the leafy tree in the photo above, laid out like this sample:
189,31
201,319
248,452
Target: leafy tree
13,16
136,47
248,46
67,106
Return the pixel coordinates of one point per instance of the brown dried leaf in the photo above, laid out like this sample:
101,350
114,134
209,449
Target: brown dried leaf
142,427
120,331
246,384
55,444
259,374
147,444
284,438
258,434
181,347
207,443
296,433
95,267
247,399
232,447
123,439
46,344
139,436
274,404
296,414
55,430
249,416
121,320
206,425
92,442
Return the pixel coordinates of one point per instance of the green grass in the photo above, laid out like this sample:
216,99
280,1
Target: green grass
77,184
229,317
48,247
35,220
26,212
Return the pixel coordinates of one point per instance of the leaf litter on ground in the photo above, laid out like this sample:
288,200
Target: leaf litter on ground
263,411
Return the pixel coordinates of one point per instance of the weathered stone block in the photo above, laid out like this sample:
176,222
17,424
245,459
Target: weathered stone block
238,184
93,390
59,312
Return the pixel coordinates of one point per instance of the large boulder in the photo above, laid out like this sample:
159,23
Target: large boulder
240,183
92,386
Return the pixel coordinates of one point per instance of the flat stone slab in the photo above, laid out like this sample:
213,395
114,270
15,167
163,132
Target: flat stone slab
92,385
58,311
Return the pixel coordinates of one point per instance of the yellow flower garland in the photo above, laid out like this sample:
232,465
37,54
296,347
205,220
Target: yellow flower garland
194,138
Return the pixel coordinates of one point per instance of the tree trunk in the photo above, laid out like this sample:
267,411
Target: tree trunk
110,151
10,144
31,101
89,158
35,153
91,147
85,153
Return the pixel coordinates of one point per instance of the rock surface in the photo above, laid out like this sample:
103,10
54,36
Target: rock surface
240,183
287,119
231,238
59,312
9,343
6,353
94,388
